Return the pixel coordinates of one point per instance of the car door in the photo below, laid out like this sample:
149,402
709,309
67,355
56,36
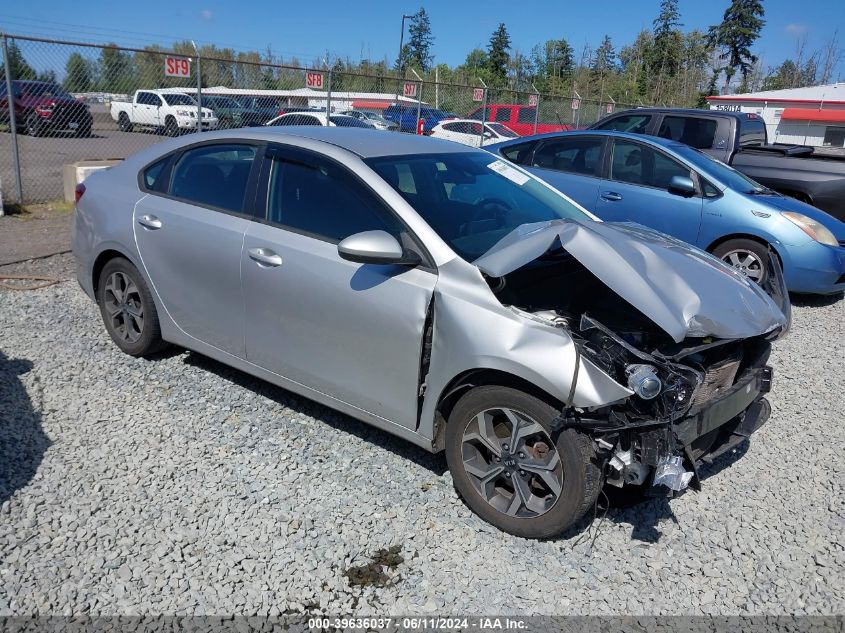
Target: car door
145,109
352,331
571,164
636,190
189,233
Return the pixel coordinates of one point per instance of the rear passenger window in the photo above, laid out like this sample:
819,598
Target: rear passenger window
692,131
322,200
526,115
152,173
575,154
503,114
752,132
634,123
214,175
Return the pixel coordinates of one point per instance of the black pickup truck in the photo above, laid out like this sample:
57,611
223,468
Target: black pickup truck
739,139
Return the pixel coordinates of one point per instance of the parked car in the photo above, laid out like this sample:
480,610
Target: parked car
373,119
469,132
317,118
43,107
685,193
451,299
740,140
405,116
265,108
229,111
169,112
519,118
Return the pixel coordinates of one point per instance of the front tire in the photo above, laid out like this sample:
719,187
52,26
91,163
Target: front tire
128,310
512,469
747,256
33,125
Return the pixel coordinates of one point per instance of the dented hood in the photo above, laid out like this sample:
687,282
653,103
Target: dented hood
685,291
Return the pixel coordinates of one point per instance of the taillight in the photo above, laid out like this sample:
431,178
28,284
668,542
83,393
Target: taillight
79,192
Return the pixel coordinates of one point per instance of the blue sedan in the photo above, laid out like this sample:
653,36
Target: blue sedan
683,192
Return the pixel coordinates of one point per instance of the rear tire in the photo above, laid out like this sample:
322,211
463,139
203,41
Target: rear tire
170,127
555,471
128,310
123,122
747,256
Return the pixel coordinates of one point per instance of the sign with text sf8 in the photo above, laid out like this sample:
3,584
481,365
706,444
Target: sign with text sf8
314,80
478,94
410,89
177,67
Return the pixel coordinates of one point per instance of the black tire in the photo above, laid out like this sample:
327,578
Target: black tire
581,476
123,122
225,123
170,127
33,125
144,340
740,250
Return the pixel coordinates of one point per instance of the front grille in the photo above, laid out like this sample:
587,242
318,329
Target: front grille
717,378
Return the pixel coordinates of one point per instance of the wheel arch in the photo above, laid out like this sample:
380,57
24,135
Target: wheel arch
100,262
480,377
745,236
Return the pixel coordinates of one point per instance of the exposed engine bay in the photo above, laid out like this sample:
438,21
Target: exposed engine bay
687,402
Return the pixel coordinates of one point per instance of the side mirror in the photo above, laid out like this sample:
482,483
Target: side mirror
375,247
681,186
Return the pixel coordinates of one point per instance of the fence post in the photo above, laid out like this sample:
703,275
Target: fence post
329,97
13,126
419,98
483,113
199,95
536,107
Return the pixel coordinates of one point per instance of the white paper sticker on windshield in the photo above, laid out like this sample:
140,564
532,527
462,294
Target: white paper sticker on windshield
508,172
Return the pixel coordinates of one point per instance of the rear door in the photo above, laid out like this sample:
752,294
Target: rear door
352,331
190,233
635,190
571,164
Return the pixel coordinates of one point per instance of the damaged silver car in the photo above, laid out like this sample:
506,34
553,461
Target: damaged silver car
443,295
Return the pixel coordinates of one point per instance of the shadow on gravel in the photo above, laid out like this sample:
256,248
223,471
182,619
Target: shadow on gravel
815,301
435,463
22,440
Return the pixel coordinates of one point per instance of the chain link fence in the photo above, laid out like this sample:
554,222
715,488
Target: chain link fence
72,103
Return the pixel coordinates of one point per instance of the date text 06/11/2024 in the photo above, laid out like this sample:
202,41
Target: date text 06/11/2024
431,623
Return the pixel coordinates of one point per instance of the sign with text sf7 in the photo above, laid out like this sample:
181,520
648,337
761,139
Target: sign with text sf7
177,67
314,80
410,89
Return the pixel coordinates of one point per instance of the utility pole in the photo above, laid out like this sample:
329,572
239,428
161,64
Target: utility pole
399,64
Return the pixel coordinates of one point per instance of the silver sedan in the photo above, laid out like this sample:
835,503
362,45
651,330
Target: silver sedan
444,295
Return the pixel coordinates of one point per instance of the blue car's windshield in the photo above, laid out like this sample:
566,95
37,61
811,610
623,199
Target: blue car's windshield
472,199
717,170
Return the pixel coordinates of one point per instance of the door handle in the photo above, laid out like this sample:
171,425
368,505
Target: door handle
149,222
610,195
265,257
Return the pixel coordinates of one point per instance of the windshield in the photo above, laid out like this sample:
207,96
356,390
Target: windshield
501,130
178,99
221,102
266,102
718,170
472,199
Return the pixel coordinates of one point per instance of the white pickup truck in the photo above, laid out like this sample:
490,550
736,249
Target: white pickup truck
171,112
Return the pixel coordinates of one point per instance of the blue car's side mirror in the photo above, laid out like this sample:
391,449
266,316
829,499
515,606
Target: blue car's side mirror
681,186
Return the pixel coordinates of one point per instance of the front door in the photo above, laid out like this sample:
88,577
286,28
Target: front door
636,190
190,242
352,331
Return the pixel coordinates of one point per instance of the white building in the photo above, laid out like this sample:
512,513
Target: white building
803,116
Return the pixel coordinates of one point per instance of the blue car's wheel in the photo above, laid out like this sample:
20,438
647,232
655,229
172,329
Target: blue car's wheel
747,256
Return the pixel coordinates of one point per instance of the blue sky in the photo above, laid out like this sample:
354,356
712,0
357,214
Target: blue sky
371,28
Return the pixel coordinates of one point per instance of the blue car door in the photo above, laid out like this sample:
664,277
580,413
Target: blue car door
571,164
636,190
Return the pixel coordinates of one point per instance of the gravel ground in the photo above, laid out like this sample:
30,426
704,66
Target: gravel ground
179,486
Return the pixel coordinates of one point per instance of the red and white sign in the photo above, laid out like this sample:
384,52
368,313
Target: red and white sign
314,80
410,89
177,67
478,94
610,108
532,100
576,103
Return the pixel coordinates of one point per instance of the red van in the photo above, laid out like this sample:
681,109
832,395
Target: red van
519,118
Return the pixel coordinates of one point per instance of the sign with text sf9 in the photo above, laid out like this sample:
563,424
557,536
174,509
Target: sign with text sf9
410,89
478,94
314,80
177,67
532,100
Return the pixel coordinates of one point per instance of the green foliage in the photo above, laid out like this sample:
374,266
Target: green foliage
740,28
117,73
419,45
18,66
497,55
77,74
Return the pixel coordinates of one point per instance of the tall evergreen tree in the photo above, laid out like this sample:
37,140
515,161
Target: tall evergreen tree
77,74
497,54
740,28
604,60
117,70
18,66
419,45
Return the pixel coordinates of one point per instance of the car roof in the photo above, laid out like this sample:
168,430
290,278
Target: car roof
654,140
691,111
365,143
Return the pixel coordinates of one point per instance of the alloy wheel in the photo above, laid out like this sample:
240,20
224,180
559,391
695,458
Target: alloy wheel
122,301
745,262
512,462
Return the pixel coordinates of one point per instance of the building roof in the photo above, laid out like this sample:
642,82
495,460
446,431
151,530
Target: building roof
828,93
298,92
